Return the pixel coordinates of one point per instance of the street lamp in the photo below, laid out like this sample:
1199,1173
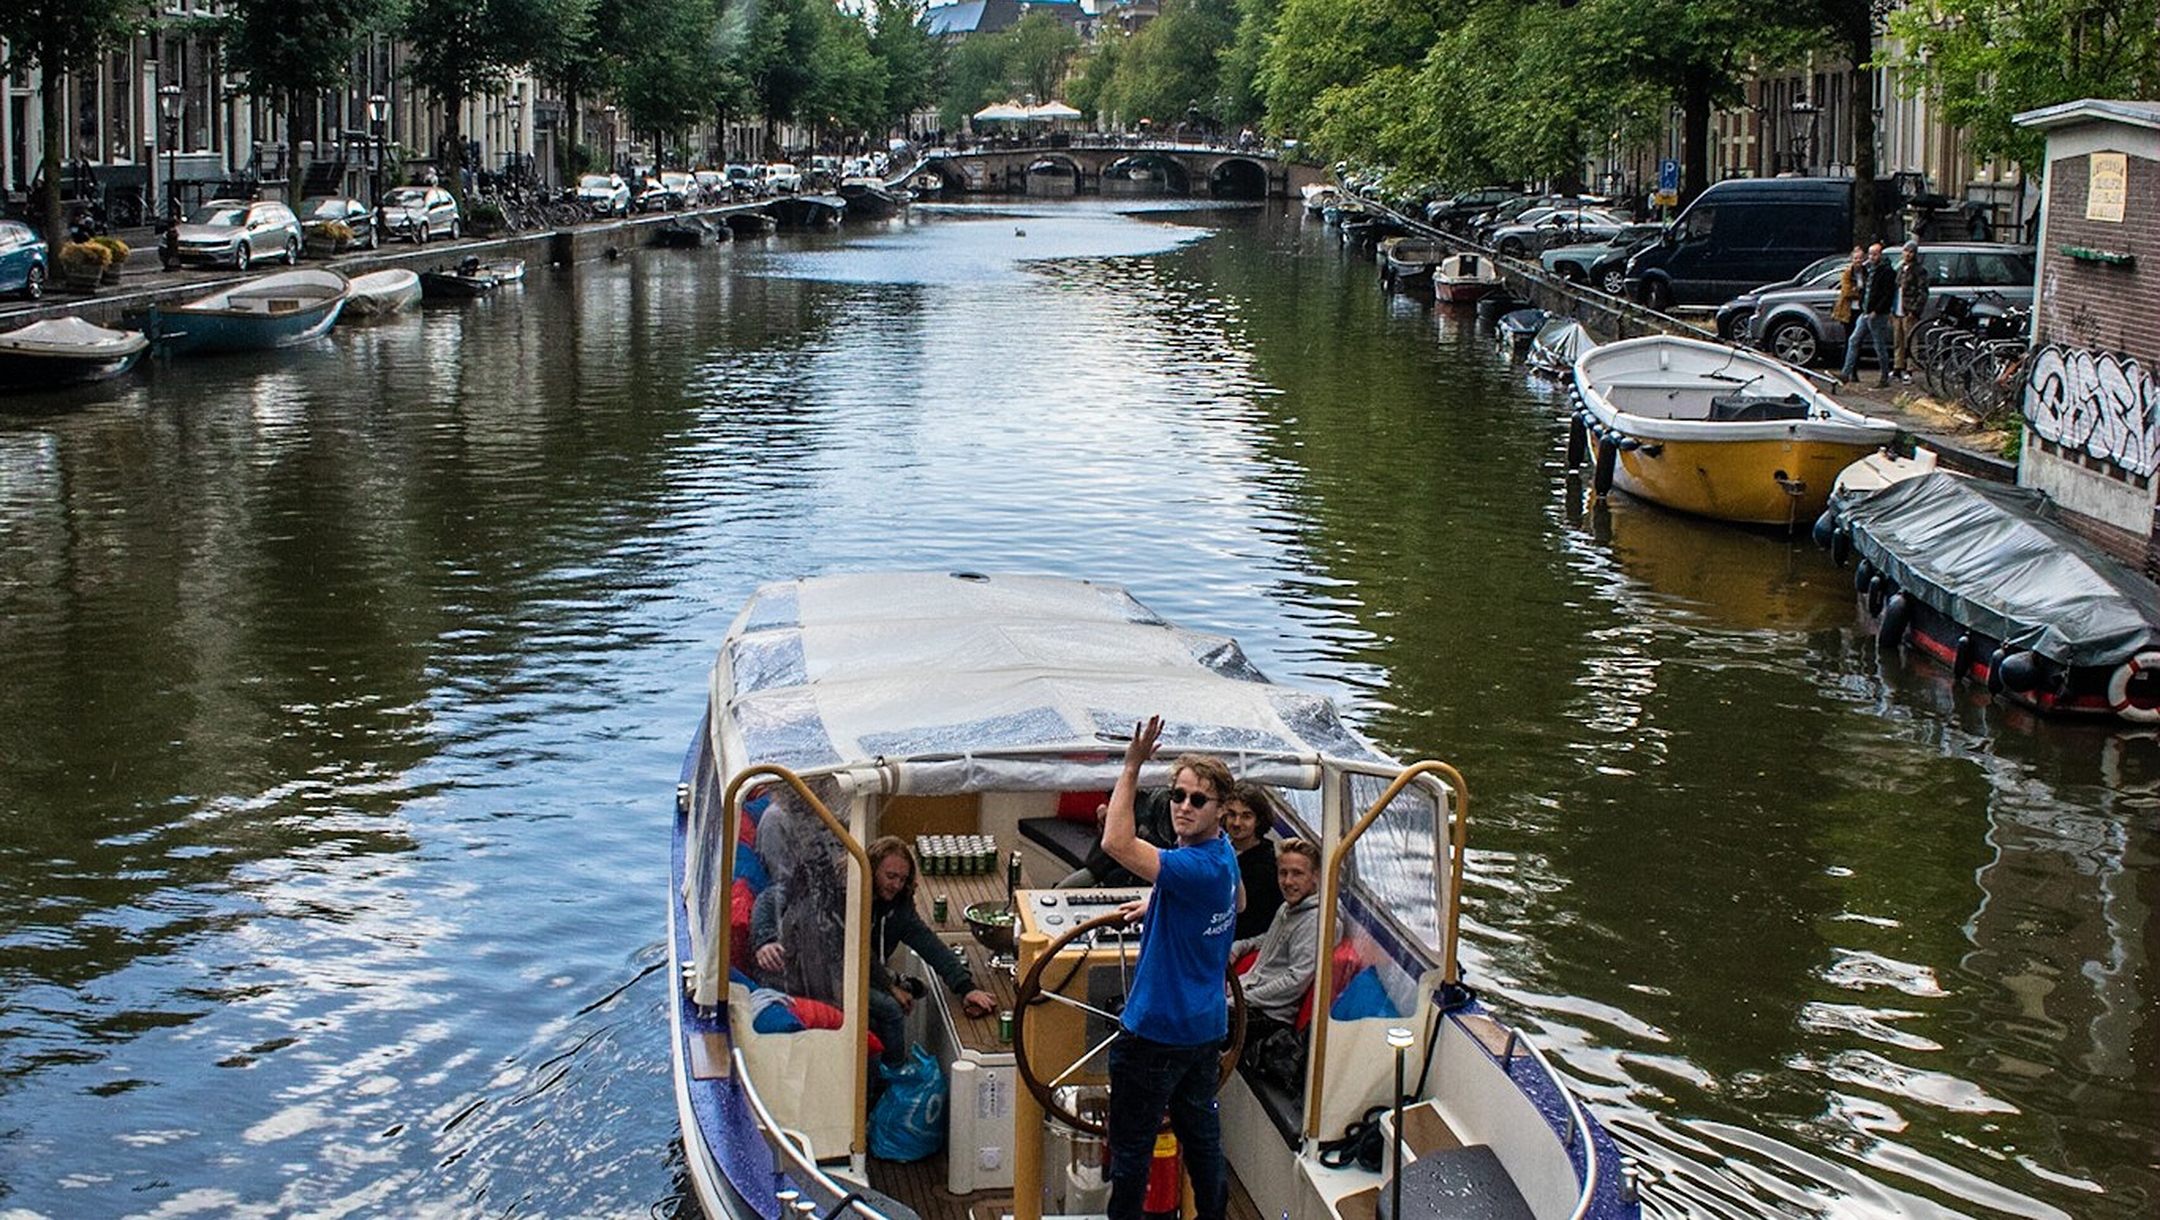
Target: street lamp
378,114
517,134
170,106
612,167
1803,139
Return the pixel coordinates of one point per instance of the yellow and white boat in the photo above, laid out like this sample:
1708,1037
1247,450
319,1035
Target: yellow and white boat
1713,430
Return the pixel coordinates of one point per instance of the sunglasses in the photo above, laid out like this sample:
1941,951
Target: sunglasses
1198,800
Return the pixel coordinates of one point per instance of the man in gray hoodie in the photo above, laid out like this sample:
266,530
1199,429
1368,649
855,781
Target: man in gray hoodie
1275,987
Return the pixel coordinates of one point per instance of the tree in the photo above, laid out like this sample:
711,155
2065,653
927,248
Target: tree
847,83
911,58
1040,47
1171,64
286,52
1986,61
462,48
661,53
1319,45
59,37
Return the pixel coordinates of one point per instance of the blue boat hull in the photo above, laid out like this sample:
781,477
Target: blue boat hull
192,332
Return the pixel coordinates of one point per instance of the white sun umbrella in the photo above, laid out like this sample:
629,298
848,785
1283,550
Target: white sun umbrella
1053,110
1002,112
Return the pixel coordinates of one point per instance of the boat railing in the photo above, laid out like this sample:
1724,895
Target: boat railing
1577,1136
1331,883
793,1161
859,992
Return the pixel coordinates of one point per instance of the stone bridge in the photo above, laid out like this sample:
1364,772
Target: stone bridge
1140,169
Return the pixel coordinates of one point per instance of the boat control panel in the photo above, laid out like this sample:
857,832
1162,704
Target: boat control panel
1053,913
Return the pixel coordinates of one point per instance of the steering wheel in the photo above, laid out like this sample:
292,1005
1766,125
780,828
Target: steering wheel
1044,1081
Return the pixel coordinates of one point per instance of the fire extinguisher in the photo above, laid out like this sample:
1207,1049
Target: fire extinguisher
1163,1194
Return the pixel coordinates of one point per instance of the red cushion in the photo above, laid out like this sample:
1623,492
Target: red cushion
817,1014
1080,806
741,898
1304,1011
1244,963
1347,964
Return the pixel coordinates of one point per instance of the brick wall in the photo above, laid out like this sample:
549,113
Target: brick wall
2093,305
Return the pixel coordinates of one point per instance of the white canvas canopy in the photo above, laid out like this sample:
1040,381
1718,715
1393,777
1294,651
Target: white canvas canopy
1053,110
1002,112
949,683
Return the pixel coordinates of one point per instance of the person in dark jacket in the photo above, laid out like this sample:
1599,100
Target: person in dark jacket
893,922
1874,321
1153,818
1912,297
1247,815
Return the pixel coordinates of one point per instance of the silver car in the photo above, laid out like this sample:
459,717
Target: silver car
418,213
1795,325
1537,229
235,233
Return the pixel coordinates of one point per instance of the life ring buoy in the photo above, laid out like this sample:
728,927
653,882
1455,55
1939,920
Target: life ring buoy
2118,691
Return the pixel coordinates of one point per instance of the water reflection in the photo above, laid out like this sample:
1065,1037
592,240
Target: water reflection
347,689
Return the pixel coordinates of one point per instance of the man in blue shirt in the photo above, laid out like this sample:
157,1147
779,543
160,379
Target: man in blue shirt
1176,1014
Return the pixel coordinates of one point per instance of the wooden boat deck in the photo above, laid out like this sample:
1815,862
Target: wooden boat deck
921,1185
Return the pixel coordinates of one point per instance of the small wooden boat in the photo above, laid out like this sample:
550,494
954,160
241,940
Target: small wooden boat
382,293
67,351
807,211
1460,279
1406,263
686,232
273,311
1555,347
1986,579
1713,430
1516,329
471,278
801,756
1318,197
870,199
750,224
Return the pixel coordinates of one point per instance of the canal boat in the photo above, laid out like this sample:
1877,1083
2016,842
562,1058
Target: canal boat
978,716
1555,347
803,211
1986,579
870,199
268,312
1318,197
751,223
1461,279
469,279
59,352
1713,430
687,232
1406,263
379,294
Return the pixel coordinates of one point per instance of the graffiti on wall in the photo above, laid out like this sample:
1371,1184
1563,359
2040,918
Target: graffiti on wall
2098,403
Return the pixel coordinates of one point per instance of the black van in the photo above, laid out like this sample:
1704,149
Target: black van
1740,233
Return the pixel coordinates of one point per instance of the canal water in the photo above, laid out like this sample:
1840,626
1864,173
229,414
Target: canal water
345,690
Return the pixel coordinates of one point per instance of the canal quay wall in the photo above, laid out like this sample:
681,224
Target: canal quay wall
1954,436
144,283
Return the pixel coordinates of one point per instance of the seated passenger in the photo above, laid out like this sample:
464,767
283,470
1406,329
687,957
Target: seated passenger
1276,984
893,922
1246,816
1151,822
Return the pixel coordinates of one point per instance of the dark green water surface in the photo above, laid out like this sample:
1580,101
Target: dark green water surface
344,691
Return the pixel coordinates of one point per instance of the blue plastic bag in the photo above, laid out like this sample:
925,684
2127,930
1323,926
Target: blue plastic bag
908,1122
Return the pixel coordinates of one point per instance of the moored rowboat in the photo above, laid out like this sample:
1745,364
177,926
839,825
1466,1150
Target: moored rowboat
1713,430
65,351
274,311
381,293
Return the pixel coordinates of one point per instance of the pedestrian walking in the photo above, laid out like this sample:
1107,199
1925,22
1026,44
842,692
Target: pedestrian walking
1912,296
1877,299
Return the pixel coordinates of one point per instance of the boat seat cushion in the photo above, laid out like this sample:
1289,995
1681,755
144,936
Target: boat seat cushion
1459,1183
1065,838
1283,1106
1754,408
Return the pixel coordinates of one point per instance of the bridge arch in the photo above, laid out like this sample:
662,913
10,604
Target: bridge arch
1238,178
1055,175
935,177
1146,173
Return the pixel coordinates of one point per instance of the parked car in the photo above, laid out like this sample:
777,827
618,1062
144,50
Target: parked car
684,186
713,185
1740,233
1794,324
1558,225
653,197
605,194
747,180
1601,264
236,232
1733,315
417,213
1458,210
23,262
317,211
781,176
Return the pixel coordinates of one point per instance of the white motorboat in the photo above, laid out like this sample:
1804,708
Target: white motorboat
65,351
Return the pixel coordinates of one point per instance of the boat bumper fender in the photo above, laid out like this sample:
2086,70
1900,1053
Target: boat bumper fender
1578,441
1861,575
1601,477
1896,615
1825,530
1995,674
1967,649
2118,691
2025,672
1879,590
